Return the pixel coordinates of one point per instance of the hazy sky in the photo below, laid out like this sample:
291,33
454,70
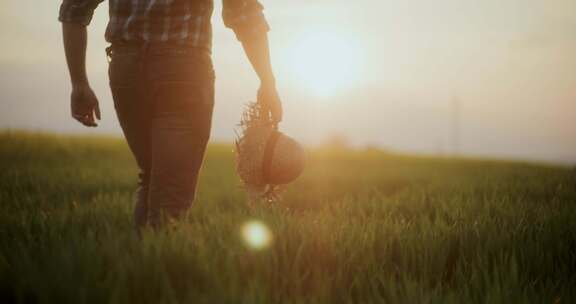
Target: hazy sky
378,72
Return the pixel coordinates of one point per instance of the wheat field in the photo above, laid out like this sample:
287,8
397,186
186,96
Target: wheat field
357,227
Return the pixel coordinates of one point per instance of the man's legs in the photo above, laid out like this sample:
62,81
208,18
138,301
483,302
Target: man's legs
183,101
164,100
134,110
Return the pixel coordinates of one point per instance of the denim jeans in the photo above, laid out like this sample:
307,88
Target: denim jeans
164,97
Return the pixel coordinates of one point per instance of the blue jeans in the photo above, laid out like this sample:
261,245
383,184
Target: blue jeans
164,97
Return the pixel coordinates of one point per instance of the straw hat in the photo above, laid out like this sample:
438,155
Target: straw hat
266,157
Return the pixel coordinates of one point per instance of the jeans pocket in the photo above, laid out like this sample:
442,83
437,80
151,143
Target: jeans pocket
124,70
191,66
191,97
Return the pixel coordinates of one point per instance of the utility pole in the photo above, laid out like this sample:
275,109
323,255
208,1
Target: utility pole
455,126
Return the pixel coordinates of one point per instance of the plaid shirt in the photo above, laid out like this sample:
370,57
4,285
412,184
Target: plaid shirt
172,21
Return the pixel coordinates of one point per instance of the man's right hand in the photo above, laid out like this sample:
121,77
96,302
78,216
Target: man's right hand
84,105
83,102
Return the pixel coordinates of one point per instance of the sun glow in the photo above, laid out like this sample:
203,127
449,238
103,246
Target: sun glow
324,62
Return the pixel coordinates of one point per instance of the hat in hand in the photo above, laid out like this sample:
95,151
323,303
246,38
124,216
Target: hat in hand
265,157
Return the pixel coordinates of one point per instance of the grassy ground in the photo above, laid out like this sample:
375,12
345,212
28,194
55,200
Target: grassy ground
358,227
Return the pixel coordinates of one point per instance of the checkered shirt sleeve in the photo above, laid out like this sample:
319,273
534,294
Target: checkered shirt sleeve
78,11
245,17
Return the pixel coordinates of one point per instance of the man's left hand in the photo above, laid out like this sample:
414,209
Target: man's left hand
269,100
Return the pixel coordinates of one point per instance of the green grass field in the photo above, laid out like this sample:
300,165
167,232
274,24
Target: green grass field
357,227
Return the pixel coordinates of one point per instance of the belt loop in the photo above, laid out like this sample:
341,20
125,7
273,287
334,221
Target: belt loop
109,54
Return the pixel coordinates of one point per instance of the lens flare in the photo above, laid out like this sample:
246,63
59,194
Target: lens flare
256,235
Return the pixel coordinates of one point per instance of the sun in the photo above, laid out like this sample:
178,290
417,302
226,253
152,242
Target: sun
323,61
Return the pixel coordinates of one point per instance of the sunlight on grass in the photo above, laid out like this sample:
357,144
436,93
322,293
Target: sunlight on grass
357,227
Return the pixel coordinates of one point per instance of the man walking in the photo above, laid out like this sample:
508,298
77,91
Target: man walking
162,83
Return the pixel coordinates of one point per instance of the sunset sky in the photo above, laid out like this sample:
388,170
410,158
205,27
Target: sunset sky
380,73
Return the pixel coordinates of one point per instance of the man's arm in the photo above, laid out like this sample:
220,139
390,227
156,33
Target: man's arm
83,101
245,17
258,52
75,15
